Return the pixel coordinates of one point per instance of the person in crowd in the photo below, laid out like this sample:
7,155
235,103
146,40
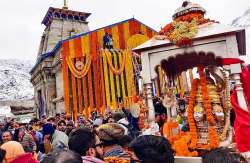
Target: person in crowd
57,118
2,155
69,119
37,136
44,119
53,138
51,120
61,125
69,128
125,141
63,116
27,140
84,142
15,153
151,149
110,135
222,155
110,119
62,156
1,129
6,136
160,114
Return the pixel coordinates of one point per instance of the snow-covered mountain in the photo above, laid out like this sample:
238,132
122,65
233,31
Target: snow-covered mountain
15,80
244,21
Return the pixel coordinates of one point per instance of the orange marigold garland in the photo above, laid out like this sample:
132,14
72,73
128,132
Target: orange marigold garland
115,160
205,97
190,114
184,28
213,136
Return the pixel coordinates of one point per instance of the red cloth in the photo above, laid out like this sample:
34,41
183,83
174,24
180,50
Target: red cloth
242,120
25,158
229,61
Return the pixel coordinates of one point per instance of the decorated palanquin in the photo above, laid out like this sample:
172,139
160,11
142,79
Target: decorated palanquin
96,77
201,54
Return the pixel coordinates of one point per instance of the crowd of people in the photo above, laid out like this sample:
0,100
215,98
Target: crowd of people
110,139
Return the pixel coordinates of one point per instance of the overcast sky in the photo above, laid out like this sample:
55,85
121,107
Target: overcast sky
21,29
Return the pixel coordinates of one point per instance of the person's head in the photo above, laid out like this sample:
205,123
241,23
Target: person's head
222,155
110,120
118,115
62,156
21,132
16,125
110,133
61,125
13,149
152,149
84,142
1,125
51,120
48,130
125,141
160,113
44,118
68,117
6,136
63,116
58,115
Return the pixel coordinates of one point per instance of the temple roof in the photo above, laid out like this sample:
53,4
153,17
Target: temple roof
209,30
64,14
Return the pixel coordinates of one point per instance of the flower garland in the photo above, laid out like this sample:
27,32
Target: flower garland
77,73
213,136
115,160
183,32
205,97
190,114
112,68
184,28
227,106
181,148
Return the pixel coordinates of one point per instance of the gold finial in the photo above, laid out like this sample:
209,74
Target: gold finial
65,6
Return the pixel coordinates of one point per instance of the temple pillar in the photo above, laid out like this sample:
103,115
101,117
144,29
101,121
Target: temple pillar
235,72
148,84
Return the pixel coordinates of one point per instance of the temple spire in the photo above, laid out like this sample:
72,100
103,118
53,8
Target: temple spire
65,6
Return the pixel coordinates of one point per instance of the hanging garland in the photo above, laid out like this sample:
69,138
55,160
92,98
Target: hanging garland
190,114
77,73
112,68
205,97
227,106
213,136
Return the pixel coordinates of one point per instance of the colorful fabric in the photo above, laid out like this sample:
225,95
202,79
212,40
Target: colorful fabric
116,151
90,159
242,120
28,143
93,85
13,150
25,158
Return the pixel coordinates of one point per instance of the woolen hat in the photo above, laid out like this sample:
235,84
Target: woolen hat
110,132
48,129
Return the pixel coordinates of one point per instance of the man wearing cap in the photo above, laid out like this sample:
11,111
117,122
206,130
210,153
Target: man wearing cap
110,135
53,138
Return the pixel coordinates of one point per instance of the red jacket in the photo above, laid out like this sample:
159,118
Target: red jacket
25,158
